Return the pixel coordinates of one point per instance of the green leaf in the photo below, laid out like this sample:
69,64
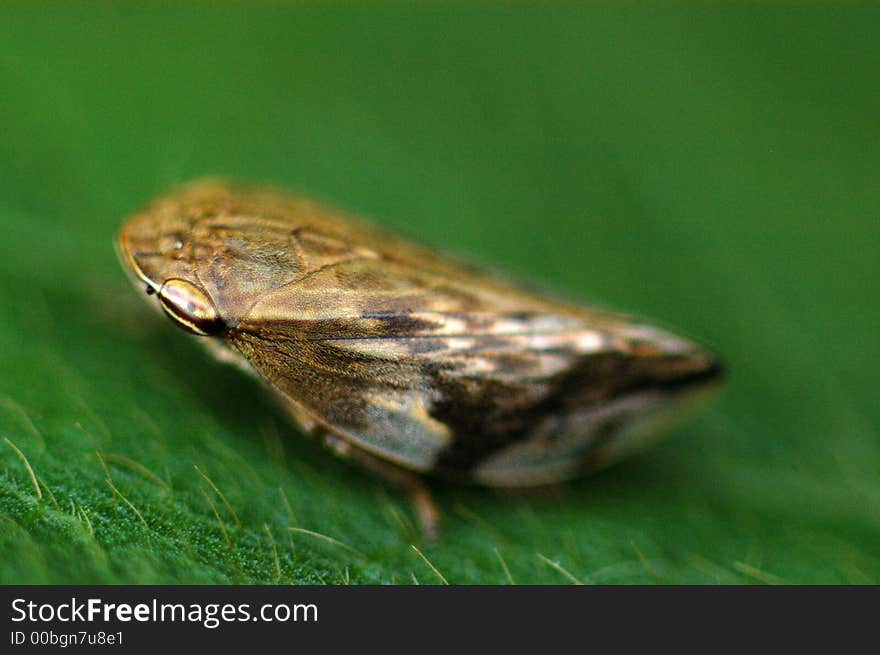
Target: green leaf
713,168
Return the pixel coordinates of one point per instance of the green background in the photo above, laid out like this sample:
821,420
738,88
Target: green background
716,169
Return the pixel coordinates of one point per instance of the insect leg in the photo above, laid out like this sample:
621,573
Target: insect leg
412,483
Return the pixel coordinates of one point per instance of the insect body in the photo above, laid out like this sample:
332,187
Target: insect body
409,360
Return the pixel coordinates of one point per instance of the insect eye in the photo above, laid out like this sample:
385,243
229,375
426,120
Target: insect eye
190,307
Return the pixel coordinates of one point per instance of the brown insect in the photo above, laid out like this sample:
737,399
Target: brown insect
406,360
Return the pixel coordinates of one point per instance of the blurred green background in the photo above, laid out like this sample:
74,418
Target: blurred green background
716,169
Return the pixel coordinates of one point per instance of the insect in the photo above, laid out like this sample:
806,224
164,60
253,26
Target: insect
408,361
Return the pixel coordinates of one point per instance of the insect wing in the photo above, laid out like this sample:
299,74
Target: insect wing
422,371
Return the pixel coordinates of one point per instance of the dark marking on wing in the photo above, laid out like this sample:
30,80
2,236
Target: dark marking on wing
487,415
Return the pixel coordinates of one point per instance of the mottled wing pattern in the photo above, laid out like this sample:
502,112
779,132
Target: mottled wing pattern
437,373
